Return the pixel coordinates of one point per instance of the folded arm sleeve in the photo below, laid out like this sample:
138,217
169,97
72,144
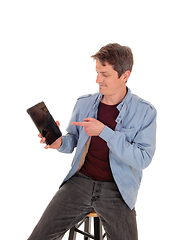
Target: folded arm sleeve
139,150
69,141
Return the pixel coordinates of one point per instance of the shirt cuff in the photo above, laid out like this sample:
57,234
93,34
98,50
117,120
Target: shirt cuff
61,147
107,133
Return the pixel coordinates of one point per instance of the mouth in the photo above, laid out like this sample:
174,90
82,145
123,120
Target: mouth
102,86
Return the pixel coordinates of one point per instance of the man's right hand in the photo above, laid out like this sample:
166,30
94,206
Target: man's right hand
54,145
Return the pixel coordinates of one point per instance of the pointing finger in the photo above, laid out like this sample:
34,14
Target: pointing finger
78,123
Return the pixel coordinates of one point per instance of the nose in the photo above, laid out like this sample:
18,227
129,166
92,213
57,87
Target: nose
98,79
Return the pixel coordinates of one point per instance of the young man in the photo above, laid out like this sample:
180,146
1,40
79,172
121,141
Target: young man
113,132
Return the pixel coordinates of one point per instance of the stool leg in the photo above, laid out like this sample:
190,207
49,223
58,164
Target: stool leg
87,227
97,229
72,233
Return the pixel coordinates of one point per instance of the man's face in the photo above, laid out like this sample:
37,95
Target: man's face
107,78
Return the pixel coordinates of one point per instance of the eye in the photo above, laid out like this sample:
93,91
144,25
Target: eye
105,75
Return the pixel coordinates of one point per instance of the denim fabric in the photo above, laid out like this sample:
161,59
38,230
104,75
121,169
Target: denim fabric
79,196
131,145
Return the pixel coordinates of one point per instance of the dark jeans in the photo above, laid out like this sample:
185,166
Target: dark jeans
79,196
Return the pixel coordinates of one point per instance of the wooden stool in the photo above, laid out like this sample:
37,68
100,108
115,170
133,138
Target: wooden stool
87,228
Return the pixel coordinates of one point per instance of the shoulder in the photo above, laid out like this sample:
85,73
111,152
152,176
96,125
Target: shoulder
87,97
84,96
144,109
86,100
141,102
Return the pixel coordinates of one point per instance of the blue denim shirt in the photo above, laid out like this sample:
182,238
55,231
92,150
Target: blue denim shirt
131,144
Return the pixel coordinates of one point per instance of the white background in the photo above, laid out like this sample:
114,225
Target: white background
45,49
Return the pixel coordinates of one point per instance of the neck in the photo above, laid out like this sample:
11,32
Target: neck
114,99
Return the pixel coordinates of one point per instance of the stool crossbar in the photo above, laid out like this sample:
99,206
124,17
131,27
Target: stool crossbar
87,228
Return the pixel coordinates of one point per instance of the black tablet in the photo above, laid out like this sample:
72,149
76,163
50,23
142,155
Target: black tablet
44,122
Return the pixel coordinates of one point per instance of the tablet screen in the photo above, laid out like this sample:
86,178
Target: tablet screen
44,122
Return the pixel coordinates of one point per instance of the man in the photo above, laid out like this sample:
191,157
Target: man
113,132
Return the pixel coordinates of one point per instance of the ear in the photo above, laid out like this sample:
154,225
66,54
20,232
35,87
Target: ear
126,75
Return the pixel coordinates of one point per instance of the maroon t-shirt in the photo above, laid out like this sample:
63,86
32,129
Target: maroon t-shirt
96,164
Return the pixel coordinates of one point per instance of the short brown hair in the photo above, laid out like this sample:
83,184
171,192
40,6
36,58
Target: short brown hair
120,57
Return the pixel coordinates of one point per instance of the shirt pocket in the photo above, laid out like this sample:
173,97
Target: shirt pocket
129,133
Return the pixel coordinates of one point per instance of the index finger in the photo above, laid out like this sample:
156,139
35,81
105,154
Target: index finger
81,124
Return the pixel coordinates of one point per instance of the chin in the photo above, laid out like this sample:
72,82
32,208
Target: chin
102,90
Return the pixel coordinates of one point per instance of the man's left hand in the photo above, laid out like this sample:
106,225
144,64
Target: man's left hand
92,126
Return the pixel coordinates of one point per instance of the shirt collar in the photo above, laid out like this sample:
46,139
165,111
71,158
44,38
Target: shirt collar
97,100
120,105
126,99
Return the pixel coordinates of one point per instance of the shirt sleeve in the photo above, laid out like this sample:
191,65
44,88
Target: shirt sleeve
69,141
139,150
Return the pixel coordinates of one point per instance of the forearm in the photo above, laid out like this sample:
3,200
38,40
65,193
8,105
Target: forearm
133,148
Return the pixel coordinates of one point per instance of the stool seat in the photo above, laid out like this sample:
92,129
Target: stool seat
92,214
